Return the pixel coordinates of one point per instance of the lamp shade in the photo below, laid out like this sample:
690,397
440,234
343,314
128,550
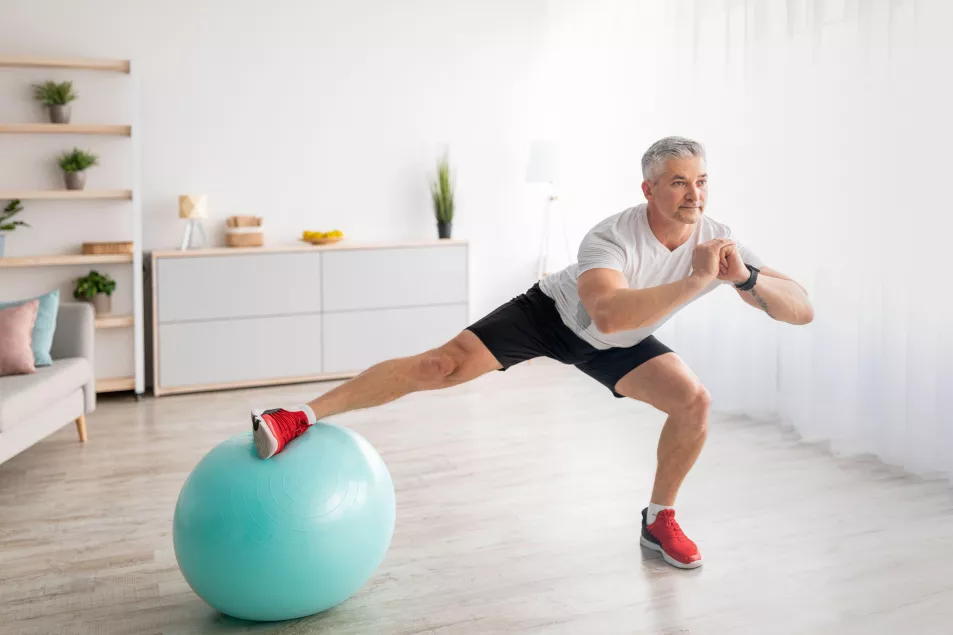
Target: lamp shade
543,162
193,206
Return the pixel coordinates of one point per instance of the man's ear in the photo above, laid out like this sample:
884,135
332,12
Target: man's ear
647,189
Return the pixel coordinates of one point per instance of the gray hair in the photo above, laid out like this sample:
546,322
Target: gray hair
668,148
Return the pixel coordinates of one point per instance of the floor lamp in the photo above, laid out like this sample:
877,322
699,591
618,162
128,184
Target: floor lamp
544,168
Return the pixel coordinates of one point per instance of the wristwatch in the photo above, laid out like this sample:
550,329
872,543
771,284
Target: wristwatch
751,281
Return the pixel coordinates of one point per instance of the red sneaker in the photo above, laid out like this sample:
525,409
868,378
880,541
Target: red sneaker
666,536
274,427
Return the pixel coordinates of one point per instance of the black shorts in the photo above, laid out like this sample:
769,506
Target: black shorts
529,326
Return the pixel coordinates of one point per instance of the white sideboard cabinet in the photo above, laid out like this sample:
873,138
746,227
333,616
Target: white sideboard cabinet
238,317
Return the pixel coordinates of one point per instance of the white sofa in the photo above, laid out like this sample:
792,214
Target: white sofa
33,406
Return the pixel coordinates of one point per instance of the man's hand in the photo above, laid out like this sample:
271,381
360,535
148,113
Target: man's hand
707,259
731,267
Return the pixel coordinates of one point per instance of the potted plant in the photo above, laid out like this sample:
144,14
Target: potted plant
57,98
441,191
98,288
74,165
6,224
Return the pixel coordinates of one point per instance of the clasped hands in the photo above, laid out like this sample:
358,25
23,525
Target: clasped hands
719,259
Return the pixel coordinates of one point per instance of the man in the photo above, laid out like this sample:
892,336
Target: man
634,271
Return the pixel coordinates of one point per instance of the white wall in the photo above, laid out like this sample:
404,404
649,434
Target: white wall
313,114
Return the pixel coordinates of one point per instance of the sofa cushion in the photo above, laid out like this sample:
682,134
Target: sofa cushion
45,325
21,395
16,335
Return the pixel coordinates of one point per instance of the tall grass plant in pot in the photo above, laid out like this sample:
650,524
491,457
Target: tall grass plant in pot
442,193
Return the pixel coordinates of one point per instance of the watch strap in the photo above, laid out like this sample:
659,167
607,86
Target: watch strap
748,284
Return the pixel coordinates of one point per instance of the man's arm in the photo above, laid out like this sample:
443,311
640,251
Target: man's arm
613,306
777,295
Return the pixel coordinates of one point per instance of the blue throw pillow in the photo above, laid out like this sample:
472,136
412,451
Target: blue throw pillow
44,327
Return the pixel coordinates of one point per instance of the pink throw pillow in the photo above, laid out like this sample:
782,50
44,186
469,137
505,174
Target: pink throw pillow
16,339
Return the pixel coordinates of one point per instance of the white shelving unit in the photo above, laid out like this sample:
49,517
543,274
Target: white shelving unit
130,130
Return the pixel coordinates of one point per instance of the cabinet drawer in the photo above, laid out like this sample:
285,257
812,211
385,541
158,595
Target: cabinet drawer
216,352
354,340
243,285
387,278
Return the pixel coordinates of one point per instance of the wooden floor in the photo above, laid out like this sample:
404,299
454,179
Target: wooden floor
518,499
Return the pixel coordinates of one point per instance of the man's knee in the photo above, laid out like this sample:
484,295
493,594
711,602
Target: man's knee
694,407
440,363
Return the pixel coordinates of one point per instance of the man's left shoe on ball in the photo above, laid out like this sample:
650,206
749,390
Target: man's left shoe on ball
275,427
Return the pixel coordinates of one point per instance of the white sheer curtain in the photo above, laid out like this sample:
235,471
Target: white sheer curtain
829,125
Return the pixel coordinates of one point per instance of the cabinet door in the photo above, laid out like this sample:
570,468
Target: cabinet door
388,278
242,285
354,340
251,349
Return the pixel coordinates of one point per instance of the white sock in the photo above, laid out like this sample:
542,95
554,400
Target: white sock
307,410
653,512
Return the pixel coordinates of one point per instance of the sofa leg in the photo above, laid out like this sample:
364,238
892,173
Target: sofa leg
81,428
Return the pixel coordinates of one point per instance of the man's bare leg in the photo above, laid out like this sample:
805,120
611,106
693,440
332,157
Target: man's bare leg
461,359
667,383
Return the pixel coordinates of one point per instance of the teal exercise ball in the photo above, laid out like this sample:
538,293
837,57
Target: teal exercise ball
288,536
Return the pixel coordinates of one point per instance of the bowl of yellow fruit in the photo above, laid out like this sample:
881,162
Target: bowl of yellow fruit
322,238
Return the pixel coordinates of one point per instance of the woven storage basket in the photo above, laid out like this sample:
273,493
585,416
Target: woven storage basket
244,231
124,247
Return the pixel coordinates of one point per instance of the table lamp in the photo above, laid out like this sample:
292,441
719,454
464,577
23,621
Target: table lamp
194,209
543,167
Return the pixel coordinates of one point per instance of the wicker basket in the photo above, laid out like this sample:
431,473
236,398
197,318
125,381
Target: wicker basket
243,239
244,231
124,247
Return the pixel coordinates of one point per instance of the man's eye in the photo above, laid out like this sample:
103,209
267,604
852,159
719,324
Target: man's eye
702,183
679,183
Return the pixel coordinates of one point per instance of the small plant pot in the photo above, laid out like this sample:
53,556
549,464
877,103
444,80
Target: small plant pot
444,230
60,113
75,180
102,303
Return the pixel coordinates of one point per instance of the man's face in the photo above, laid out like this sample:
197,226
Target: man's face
681,190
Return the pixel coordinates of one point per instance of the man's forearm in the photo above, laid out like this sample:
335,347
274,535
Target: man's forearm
783,300
627,309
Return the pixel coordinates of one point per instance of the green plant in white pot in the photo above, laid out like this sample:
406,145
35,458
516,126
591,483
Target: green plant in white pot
7,224
56,97
441,192
97,288
74,165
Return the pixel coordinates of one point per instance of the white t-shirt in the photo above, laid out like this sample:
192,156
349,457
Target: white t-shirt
625,242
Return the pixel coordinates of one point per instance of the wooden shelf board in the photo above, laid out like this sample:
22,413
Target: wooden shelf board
66,259
115,384
65,128
114,321
65,195
116,66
